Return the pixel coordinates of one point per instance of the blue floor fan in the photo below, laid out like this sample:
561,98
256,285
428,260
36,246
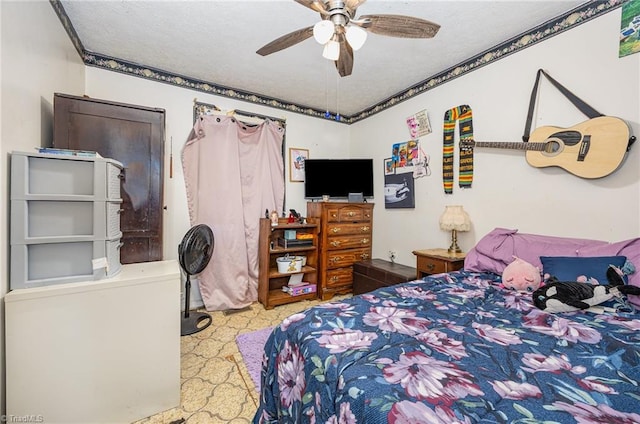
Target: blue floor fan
194,252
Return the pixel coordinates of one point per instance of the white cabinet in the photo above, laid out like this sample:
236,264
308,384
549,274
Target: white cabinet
104,351
65,219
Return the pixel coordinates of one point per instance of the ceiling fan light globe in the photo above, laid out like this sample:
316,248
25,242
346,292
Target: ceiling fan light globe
356,36
323,31
331,50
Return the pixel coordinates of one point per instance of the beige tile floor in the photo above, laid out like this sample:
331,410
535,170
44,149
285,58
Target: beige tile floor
215,384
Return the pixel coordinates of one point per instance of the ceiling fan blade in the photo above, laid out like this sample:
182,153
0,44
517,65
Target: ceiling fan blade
352,5
285,41
399,26
316,5
344,64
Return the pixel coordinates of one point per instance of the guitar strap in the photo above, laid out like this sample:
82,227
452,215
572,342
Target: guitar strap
463,115
577,102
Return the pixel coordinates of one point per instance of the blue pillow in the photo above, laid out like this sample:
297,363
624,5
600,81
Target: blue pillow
569,268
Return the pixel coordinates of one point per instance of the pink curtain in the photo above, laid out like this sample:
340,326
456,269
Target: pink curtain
233,172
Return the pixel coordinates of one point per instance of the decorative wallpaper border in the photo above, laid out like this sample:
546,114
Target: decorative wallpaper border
571,19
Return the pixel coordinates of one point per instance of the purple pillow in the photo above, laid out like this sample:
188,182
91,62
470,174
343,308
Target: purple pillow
496,249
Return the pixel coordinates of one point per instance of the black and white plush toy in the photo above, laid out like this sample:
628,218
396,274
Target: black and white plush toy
569,296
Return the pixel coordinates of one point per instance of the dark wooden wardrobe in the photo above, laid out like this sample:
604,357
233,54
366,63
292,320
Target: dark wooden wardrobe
133,135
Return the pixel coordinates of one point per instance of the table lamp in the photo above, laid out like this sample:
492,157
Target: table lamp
454,219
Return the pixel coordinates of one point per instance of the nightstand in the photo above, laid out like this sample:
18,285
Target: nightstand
436,261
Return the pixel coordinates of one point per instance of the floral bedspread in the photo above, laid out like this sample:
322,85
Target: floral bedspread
452,348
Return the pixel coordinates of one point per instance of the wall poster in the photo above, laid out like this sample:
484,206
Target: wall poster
630,28
403,154
399,191
419,124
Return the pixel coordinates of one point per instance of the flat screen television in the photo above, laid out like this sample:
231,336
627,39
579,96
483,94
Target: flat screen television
337,177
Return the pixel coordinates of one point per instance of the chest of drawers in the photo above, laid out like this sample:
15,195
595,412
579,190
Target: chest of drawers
344,239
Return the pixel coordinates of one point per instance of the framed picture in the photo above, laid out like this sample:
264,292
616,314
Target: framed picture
389,166
296,163
630,28
399,191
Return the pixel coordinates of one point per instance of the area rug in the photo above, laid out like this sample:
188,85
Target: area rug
251,346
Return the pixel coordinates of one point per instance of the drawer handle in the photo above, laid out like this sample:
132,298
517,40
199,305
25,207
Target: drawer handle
365,241
334,215
333,279
351,213
365,229
335,243
431,267
335,259
120,210
367,215
364,256
335,230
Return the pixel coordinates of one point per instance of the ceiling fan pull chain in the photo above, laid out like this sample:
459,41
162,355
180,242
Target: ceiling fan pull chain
338,98
327,114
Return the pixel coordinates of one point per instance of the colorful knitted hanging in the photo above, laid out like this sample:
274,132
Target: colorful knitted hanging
462,114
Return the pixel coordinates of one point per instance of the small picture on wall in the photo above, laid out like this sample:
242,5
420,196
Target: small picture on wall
630,28
296,164
399,191
389,166
419,124
403,153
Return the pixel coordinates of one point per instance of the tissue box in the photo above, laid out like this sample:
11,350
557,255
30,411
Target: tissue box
300,289
289,234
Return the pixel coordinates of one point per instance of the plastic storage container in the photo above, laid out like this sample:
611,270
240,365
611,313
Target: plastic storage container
65,219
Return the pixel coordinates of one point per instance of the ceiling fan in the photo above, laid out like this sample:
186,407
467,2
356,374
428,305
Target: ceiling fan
341,33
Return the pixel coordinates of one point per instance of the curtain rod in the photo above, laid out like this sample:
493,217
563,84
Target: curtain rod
197,104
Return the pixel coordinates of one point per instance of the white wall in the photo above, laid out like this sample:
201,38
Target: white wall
506,191
38,59
322,138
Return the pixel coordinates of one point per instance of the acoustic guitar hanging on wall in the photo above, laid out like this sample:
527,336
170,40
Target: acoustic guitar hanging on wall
591,149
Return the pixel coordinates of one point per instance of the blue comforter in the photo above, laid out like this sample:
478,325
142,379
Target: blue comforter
453,348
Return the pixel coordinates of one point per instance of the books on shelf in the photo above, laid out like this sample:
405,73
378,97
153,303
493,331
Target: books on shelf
69,152
282,242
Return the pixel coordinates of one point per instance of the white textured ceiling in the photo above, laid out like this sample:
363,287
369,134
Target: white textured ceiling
216,41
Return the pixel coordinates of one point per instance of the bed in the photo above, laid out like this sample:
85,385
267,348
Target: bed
457,348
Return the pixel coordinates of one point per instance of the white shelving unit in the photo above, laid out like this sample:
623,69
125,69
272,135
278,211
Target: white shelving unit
65,219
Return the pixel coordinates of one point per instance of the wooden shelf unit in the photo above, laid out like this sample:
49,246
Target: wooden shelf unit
270,281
